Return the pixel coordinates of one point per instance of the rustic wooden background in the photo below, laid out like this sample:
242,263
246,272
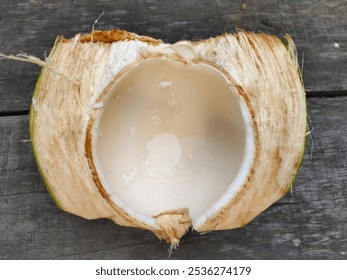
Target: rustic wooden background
310,223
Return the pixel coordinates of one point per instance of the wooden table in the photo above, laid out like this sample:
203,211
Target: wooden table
309,223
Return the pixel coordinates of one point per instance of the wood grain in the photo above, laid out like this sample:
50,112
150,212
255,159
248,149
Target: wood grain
31,27
310,223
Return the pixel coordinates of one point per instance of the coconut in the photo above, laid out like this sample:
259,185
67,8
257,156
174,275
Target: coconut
165,137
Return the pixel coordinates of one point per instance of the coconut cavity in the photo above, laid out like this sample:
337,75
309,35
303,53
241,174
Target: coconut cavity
172,135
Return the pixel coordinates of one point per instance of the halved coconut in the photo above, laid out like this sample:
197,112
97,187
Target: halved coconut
162,136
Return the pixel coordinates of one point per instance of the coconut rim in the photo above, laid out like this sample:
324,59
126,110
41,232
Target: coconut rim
231,191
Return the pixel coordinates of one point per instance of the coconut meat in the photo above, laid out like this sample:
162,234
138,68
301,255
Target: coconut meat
172,135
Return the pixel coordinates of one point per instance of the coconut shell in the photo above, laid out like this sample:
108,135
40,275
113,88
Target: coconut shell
78,72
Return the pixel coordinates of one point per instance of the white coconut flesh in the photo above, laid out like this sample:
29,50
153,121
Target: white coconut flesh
172,135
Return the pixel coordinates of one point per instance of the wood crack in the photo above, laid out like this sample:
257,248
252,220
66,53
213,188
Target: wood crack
103,250
14,113
343,198
335,93
22,193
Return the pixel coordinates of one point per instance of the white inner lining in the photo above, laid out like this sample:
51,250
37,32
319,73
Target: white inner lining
172,135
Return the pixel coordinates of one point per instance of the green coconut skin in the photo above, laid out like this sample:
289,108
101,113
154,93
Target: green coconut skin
288,43
32,115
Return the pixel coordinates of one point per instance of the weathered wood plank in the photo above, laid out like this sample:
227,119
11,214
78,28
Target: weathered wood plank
32,26
310,223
